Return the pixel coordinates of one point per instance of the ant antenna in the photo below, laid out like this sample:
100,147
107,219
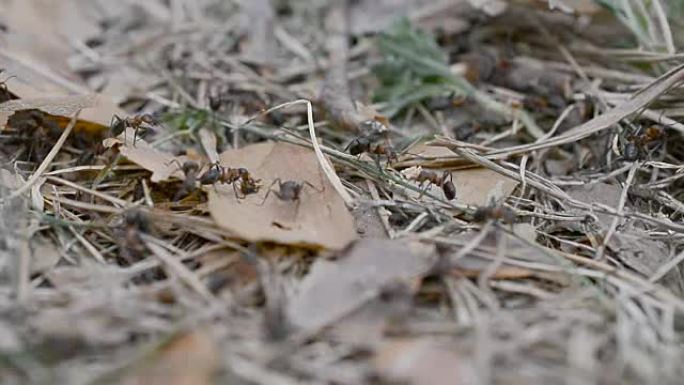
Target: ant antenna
177,162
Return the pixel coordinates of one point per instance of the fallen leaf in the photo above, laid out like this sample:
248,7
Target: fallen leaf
36,48
320,218
637,250
423,362
367,326
190,358
602,193
368,223
61,105
333,289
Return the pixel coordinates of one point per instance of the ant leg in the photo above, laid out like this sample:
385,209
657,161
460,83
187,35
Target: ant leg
296,212
376,159
235,190
423,190
314,187
174,160
135,135
277,180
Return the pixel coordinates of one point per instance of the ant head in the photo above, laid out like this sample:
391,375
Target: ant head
655,132
215,102
446,175
118,125
149,119
243,172
358,145
135,218
190,166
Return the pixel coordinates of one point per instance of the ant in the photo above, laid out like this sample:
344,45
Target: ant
494,212
229,175
118,125
445,182
364,144
190,169
641,144
289,191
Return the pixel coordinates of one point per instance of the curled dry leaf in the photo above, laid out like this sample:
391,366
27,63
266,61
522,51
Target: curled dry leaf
320,218
334,289
37,91
188,359
60,105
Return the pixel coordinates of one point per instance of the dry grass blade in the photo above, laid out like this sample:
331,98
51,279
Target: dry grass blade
183,273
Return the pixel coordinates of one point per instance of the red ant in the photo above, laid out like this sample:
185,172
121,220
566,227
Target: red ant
445,182
118,125
228,175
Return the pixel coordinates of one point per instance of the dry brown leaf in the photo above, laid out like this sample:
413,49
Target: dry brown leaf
188,359
639,251
603,193
333,289
422,362
320,218
37,46
478,185
95,108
